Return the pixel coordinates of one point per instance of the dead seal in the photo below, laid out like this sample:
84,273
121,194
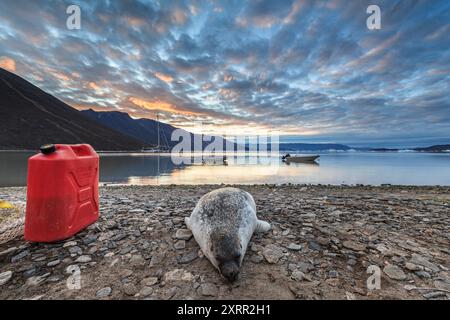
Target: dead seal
223,222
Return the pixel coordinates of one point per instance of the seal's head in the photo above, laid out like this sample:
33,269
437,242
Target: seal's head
227,253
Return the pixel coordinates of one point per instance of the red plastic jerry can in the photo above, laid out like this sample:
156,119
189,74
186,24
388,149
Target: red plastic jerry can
62,193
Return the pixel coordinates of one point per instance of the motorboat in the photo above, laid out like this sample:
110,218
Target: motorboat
299,158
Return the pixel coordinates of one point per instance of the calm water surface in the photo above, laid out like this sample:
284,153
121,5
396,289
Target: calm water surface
332,168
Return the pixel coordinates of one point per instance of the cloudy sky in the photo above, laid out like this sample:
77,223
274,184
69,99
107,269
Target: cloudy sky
310,69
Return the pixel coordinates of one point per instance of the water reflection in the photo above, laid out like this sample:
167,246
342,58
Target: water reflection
333,168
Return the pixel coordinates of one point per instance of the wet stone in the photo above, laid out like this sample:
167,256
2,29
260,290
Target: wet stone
208,289
104,292
394,272
294,247
5,277
180,244
187,258
183,234
20,256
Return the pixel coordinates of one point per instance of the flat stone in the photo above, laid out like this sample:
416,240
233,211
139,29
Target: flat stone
20,256
8,251
146,291
136,211
208,289
314,246
104,292
298,275
256,258
352,245
126,273
180,244
75,250
150,281
333,274
69,244
305,267
183,234
83,259
187,258
37,280
90,239
178,275
137,260
5,277
53,263
440,284
434,294
272,253
129,289
422,261
394,272
413,267
294,247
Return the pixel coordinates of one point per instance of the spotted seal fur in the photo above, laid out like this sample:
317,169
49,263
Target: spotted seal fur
223,223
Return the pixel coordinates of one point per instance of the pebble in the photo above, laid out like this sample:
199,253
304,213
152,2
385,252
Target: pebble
36,280
83,259
352,245
150,281
183,234
208,289
298,275
294,247
422,261
20,256
434,294
137,261
5,277
187,258
53,263
178,275
129,289
314,246
394,272
272,253
146,291
180,244
104,292
333,274
256,258
69,244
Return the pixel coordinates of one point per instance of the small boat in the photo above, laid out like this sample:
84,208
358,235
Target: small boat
293,158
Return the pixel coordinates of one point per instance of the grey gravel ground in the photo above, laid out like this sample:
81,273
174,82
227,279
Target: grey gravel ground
323,241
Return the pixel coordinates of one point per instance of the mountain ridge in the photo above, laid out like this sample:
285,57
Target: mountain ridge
33,117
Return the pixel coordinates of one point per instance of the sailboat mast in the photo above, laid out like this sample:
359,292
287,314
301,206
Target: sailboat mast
157,123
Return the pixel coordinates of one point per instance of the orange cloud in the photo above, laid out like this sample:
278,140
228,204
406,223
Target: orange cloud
94,86
163,77
158,105
8,64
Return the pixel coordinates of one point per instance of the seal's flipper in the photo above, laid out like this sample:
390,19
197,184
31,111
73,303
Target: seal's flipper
187,222
262,226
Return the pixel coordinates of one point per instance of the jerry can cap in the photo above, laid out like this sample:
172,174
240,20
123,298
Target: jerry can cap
48,148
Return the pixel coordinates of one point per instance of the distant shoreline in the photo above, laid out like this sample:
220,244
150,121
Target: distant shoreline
280,151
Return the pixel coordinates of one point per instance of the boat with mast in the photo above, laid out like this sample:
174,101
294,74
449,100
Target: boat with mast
158,147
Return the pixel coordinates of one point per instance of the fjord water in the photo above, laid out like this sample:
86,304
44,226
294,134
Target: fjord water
370,168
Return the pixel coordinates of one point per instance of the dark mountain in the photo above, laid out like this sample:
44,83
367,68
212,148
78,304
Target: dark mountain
435,148
144,130
32,117
312,147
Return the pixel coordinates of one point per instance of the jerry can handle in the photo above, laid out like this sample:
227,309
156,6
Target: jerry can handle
82,150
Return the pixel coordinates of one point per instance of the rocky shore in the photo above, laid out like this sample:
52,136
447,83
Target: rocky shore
325,243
